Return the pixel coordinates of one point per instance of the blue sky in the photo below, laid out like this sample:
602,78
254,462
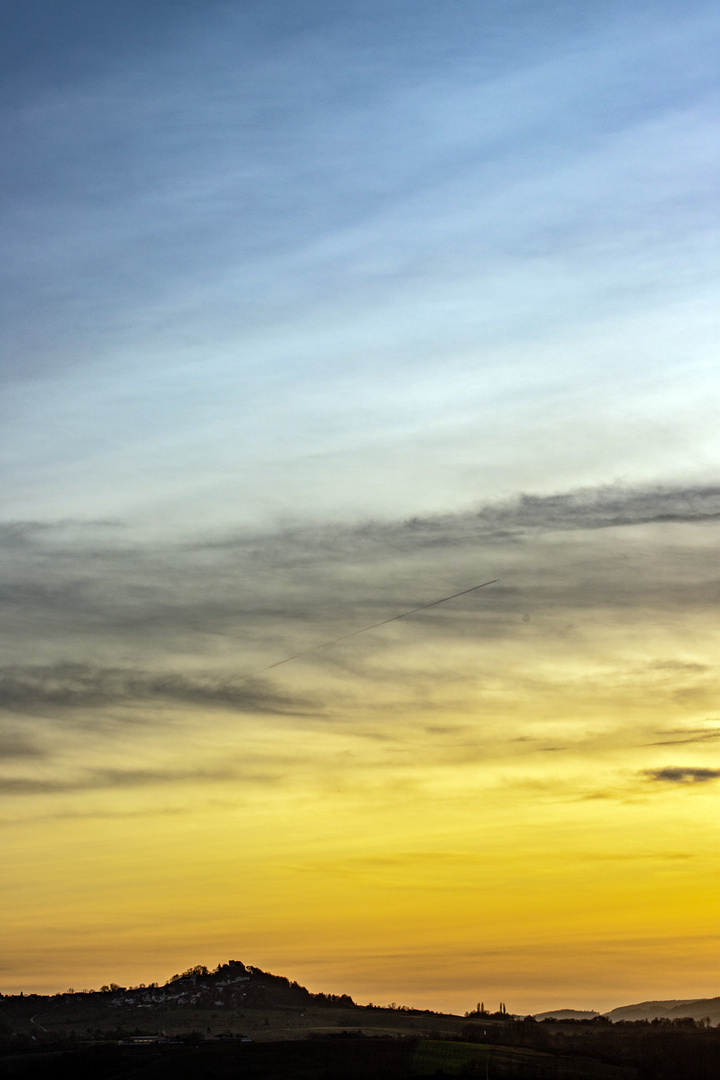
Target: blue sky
346,263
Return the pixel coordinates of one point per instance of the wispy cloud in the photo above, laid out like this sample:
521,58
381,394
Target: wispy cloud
104,634
81,686
688,735
108,779
678,774
74,603
14,744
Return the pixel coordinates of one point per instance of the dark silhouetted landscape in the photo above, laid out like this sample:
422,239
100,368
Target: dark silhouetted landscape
240,1021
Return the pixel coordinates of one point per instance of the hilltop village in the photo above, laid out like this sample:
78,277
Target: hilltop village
230,985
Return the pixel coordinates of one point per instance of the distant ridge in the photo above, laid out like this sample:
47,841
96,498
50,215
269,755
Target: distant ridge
697,1008
673,1009
567,1014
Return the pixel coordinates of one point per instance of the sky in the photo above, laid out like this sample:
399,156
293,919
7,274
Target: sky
314,314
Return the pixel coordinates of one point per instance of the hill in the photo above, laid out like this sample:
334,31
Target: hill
698,1009
234,998
567,1014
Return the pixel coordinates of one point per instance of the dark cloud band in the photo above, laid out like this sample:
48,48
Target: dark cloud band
676,774
84,686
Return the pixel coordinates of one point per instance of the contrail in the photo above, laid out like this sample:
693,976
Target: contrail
364,629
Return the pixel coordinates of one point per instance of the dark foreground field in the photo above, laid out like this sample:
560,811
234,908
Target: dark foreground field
312,1059
609,1054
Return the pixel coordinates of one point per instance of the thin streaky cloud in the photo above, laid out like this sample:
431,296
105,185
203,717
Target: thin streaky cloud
106,779
698,737
82,686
